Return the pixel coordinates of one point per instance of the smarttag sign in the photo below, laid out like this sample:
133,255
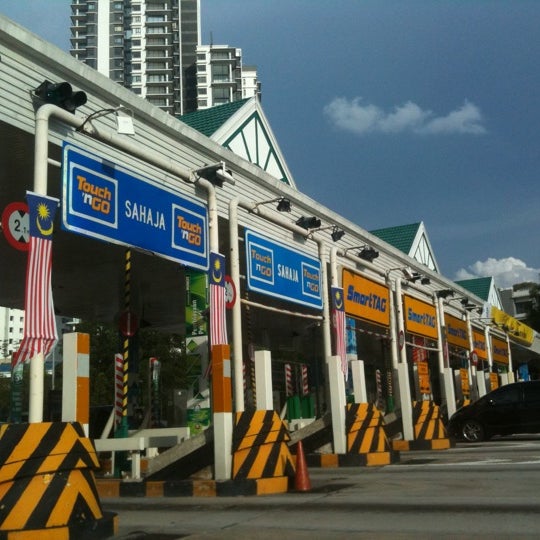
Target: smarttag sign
104,200
283,272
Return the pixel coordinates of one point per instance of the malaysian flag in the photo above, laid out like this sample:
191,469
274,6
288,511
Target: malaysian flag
218,324
39,322
338,316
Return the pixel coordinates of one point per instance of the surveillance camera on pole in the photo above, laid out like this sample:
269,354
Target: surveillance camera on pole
217,174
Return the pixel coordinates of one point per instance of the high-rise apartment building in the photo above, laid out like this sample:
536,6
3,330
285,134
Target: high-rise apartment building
221,78
11,331
148,46
153,48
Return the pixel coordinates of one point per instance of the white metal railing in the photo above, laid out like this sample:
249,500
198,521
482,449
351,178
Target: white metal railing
145,440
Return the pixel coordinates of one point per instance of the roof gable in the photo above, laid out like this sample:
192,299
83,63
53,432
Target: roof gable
242,127
413,240
208,121
484,288
478,286
401,237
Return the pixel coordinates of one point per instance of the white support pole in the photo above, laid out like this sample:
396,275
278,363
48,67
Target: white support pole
472,380
222,416
481,382
36,391
76,379
263,380
449,392
445,371
337,403
237,346
510,365
222,445
393,329
403,370
439,309
358,379
327,338
406,402
489,349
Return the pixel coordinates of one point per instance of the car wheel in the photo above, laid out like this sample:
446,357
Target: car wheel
473,431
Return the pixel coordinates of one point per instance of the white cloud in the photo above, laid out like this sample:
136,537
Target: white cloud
467,119
506,272
355,116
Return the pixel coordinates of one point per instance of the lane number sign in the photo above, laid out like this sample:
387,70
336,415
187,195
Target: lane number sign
16,225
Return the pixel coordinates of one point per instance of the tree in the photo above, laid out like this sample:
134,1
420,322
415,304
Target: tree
178,370
104,344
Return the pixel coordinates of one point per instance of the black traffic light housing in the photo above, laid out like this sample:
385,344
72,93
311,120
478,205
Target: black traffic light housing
60,94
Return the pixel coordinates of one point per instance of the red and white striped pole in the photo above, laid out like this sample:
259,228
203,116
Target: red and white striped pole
289,390
305,381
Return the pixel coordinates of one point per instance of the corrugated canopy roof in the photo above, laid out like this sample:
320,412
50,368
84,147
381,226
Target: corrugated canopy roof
478,286
401,237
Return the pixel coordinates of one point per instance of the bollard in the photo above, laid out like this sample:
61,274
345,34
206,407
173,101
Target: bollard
47,485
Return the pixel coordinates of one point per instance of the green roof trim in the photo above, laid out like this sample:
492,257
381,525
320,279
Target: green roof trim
401,237
478,286
208,121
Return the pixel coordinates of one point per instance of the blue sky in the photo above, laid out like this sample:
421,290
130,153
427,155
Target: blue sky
393,112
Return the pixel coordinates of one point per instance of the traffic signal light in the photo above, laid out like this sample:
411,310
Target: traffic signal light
60,94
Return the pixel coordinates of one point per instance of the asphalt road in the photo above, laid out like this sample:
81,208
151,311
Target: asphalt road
486,490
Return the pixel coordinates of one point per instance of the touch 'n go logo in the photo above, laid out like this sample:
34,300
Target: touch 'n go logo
188,230
94,197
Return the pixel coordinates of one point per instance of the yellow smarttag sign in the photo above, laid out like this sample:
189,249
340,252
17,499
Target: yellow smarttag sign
365,299
479,344
420,317
499,349
456,331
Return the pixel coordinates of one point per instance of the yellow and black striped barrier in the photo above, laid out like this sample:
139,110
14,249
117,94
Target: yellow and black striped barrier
47,485
429,430
260,448
112,488
463,402
364,426
367,442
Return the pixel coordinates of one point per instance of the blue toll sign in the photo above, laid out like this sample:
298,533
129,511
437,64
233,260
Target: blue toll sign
282,271
104,200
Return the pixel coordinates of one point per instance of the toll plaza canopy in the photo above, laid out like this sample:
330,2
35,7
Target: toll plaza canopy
162,158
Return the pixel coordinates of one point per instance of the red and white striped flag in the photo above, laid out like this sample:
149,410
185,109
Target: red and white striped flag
40,333
338,316
218,323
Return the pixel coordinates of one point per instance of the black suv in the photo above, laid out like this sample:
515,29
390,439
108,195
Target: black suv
513,408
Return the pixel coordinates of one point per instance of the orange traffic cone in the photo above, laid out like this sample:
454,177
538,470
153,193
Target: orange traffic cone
301,479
